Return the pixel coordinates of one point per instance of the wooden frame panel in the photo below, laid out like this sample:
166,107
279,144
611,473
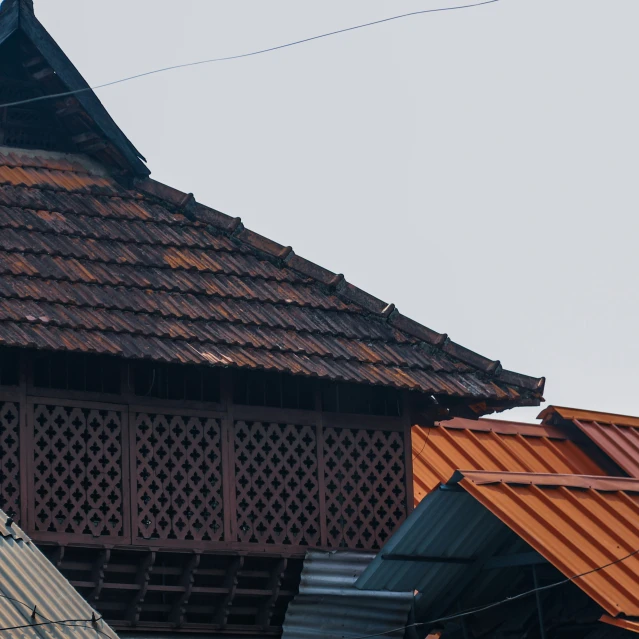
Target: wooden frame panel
227,415
73,448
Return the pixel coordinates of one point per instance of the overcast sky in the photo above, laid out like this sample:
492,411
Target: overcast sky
478,168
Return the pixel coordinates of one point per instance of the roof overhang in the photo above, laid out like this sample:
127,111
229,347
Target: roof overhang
585,527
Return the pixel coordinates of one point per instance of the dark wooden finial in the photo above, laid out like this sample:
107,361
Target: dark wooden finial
22,5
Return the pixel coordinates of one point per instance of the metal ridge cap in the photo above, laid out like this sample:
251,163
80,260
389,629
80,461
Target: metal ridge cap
585,482
593,416
342,288
504,427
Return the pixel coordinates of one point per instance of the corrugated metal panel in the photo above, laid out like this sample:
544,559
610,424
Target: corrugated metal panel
329,606
446,525
27,575
616,435
577,523
87,265
492,445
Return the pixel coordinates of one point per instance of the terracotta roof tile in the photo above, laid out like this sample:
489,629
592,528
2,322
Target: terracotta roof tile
147,272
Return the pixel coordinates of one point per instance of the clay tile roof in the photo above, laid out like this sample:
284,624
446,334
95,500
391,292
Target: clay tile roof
616,435
493,445
138,269
579,524
146,272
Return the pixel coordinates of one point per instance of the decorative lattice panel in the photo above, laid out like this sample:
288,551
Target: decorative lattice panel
365,486
179,485
276,483
10,459
78,470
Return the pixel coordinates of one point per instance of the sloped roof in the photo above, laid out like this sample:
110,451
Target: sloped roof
96,257
28,579
490,444
615,435
146,272
579,524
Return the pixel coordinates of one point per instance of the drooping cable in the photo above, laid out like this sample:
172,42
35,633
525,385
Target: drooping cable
501,602
64,94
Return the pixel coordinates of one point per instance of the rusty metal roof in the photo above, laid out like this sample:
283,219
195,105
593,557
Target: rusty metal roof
616,435
490,444
577,523
146,272
329,606
28,579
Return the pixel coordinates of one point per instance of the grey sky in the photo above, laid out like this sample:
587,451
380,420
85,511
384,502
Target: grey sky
477,168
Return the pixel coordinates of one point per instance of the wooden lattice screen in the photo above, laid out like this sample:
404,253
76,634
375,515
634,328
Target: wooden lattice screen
276,484
365,489
10,459
77,459
179,478
116,474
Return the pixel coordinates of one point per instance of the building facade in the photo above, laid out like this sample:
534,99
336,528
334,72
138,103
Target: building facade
187,407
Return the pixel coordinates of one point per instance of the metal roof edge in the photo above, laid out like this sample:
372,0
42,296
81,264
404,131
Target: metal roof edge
504,427
581,414
627,624
585,482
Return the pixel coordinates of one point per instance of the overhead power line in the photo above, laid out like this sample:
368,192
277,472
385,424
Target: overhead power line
69,623
501,602
242,55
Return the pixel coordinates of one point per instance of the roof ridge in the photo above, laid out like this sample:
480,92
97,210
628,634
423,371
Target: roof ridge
287,257
580,414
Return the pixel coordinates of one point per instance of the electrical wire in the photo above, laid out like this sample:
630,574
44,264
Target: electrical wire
501,602
243,55
64,622
419,454
47,622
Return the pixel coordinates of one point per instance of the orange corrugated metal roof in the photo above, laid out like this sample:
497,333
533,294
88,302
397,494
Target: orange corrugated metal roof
488,444
577,523
615,435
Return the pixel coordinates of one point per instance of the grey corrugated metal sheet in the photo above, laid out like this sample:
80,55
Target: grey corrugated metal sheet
446,524
27,576
329,606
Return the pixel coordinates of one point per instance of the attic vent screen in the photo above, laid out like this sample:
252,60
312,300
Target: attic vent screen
173,381
76,371
9,367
